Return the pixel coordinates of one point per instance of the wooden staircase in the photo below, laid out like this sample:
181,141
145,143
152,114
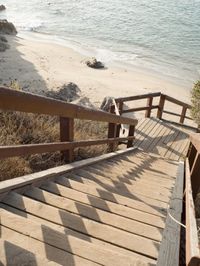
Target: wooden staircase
110,212
121,208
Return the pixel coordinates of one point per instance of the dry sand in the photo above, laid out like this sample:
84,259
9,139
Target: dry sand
43,66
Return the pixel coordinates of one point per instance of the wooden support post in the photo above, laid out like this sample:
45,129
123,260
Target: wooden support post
67,134
183,113
195,175
149,105
191,155
161,106
111,131
131,133
120,106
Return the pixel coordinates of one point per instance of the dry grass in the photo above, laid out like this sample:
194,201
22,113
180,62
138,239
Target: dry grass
20,128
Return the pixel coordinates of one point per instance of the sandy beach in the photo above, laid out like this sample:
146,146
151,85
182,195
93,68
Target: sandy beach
47,66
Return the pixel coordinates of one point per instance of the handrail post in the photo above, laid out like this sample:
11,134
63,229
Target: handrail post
120,106
195,175
149,105
67,134
130,134
111,131
161,106
183,113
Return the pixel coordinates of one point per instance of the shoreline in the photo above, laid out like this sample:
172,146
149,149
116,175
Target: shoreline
44,65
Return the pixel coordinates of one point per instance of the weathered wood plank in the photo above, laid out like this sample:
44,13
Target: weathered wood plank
67,243
92,213
161,194
135,202
192,242
121,189
108,206
53,172
169,249
104,232
78,235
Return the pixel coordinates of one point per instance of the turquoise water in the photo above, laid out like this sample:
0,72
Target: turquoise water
162,36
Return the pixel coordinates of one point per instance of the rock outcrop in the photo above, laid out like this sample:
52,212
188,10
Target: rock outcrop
7,27
93,63
68,92
2,7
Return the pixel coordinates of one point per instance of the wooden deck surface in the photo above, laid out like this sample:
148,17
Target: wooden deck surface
162,138
113,212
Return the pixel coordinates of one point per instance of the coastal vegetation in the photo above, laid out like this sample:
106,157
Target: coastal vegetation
19,128
195,99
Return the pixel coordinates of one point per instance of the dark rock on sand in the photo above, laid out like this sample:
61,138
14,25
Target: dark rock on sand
3,44
7,27
2,7
93,63
68,92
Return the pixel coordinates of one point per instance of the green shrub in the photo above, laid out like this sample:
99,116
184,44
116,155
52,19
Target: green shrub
195,112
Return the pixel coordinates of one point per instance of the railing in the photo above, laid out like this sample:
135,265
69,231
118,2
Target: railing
29,103
160,106
192,182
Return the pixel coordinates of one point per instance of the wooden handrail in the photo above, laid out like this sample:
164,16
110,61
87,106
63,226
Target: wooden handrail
28,149
30,103
192,245
26,102
149,106
137,97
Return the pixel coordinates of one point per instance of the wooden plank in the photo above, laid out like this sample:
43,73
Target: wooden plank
136,202
19,249
92,213
112,181
138,97
121,188
192,242
67,243
127,176
53,172
67,135
171,143
140,129
28,149
161,106
112,131
138,109
30,103
178,102
149,105
130,134
169,249
104,232
105,205
183,113
153,136
195,175
79,235
145,132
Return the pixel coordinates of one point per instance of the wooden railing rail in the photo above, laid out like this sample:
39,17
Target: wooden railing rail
160,107
192,181
29,103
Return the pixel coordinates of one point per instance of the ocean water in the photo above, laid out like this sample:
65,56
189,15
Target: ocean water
161,36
